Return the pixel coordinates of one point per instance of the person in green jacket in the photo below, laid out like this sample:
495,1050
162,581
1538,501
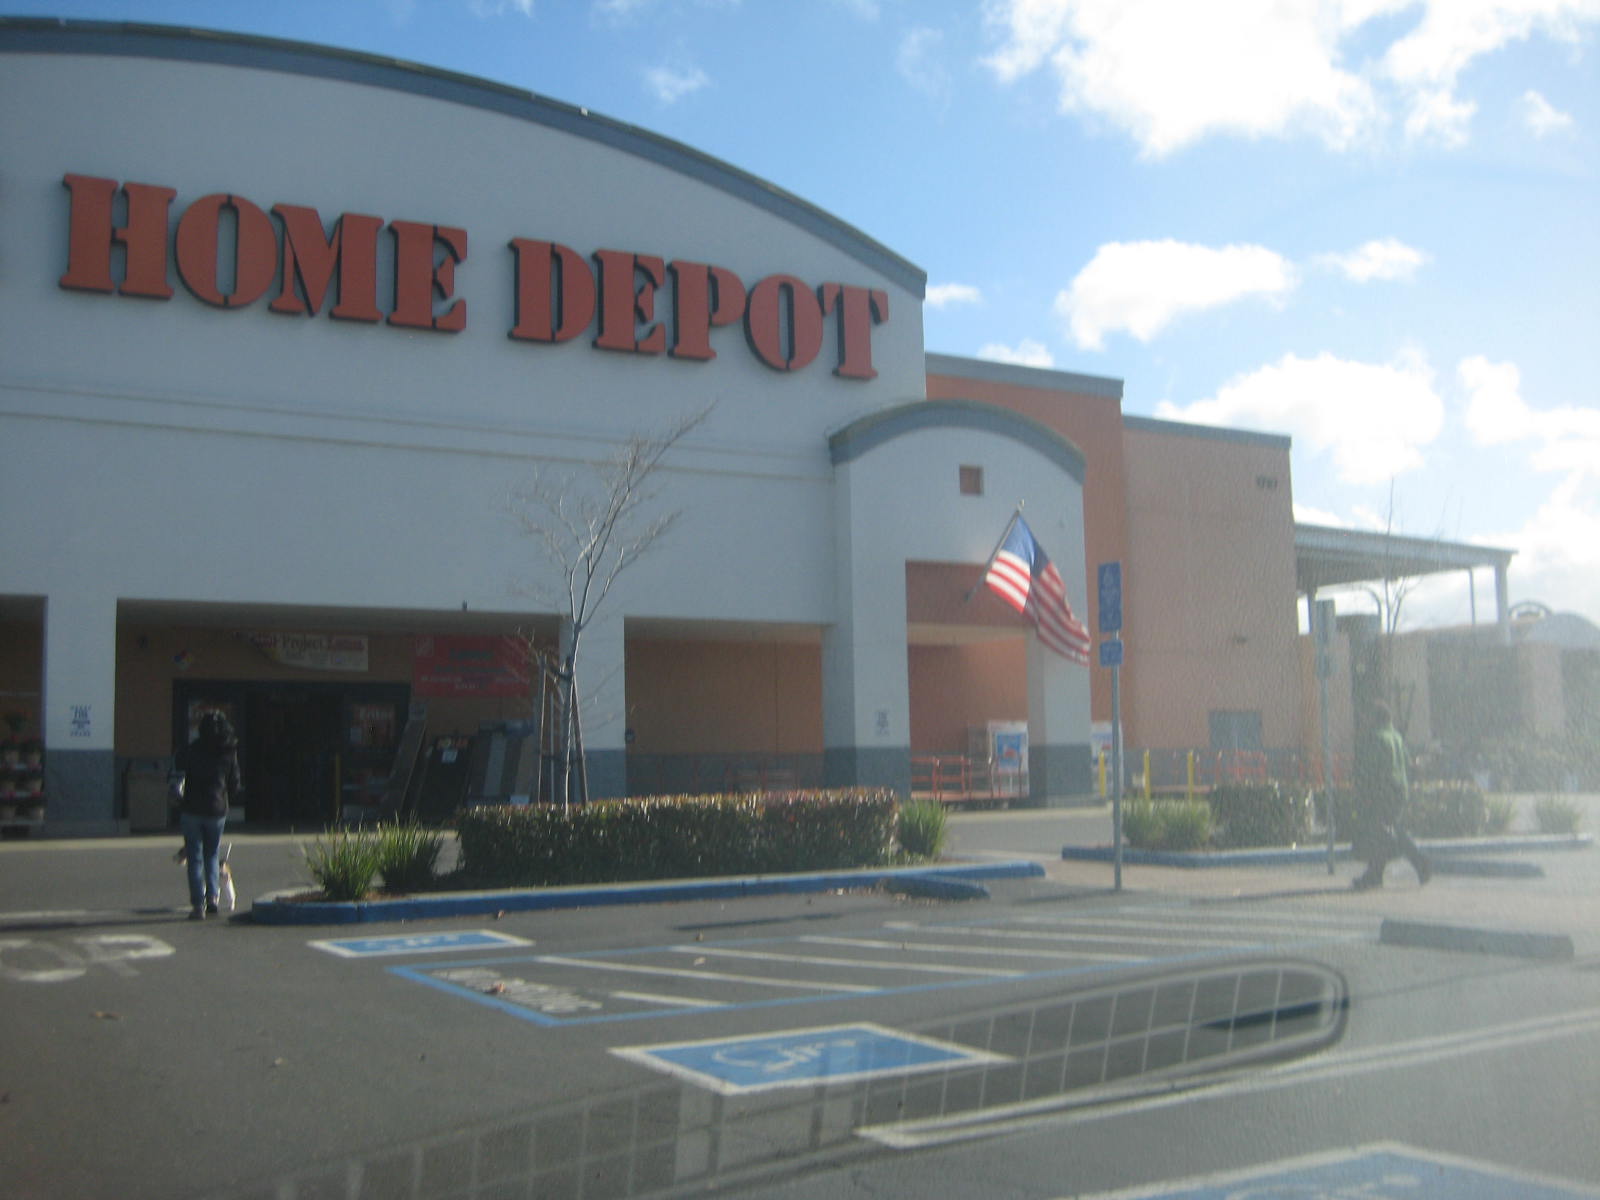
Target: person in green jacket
1382,789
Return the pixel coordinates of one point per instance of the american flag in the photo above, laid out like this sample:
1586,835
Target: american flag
1022,573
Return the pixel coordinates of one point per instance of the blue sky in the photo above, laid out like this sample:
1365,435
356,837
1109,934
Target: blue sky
1372,225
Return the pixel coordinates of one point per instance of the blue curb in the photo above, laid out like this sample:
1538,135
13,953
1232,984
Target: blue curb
1430,936
1489,867
272,909
1289,855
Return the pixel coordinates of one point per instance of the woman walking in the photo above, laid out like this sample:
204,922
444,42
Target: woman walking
209,783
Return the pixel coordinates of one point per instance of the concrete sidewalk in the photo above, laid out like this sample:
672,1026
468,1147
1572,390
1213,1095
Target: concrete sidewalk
1564,900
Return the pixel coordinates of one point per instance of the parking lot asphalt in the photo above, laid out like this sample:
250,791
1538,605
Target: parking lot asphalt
358,1053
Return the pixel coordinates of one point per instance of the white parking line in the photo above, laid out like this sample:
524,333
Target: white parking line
934,968
1120,939
669,1001
1211,920
986,951
810,985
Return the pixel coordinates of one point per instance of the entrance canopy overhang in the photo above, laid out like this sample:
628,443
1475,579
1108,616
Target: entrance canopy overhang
1328,557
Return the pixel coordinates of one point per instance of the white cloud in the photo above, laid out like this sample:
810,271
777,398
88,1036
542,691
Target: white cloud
1436,115
1172,72
944,295
1541,117
1141,287
1372,419
1566,439
1558,550
671,84
1307,515
918,62
1026,353
493,8
1428,61
1382,259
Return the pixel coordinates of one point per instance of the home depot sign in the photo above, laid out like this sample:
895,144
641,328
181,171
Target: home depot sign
231,253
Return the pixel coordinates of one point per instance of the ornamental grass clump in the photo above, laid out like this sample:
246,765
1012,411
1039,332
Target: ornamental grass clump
1500,813
922,828
1556,815
1167,824
344,863
408,855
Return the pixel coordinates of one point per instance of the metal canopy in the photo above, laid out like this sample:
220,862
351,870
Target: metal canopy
1328,557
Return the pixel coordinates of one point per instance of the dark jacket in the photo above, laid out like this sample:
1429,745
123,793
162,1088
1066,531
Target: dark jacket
211,780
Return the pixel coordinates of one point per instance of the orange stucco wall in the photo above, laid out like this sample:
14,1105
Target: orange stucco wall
1210,585
726,697
1094,424
954,688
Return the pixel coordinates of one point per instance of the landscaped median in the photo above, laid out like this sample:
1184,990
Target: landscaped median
1280,824
950,880
1451,856
640,851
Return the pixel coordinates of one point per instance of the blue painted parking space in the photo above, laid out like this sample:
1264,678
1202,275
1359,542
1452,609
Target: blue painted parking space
1375,1172
417,943
802,1058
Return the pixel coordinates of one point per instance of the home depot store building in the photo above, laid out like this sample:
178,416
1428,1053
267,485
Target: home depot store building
284,327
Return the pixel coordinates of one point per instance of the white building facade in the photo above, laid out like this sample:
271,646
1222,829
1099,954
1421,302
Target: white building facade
284,327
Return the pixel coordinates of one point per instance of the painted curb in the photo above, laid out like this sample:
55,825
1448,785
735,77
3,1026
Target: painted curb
1493,868
1441,848
271,910
1553,947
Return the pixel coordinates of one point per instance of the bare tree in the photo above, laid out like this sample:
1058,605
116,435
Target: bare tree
591,525
1396,588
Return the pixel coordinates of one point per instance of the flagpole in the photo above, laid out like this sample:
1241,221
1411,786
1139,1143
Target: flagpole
989,562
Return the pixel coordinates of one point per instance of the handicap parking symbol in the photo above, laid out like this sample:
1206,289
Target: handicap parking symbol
1380,1171
802,1058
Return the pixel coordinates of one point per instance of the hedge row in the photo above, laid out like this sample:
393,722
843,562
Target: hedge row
667,837
1275,814
1267,814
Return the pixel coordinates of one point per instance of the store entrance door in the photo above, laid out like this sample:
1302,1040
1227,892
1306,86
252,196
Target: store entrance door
307,751
293,748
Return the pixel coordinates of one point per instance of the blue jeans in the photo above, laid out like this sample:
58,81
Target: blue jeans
202,841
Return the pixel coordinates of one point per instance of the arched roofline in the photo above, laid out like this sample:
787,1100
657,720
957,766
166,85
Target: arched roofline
47,35
869,432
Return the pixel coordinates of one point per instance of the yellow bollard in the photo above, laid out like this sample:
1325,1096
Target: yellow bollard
1102,775
1189,791
1147,774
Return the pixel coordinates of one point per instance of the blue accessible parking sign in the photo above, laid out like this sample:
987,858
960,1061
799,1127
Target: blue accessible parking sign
802,1058
1375,1172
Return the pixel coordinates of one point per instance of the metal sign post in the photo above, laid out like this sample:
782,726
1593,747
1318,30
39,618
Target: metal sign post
1322,636
1110,620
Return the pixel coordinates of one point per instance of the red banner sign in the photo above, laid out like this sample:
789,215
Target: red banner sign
480,666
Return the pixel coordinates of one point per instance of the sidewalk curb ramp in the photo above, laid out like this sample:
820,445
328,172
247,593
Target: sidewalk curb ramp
1445,851
1428,935
953,881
